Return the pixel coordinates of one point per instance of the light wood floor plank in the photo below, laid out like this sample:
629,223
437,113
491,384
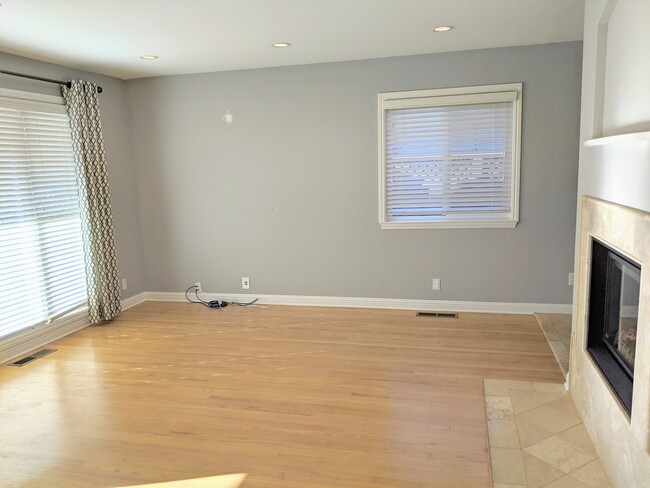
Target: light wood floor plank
294,396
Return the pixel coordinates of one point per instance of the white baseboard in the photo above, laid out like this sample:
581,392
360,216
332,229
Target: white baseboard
28,340
134,300
359,302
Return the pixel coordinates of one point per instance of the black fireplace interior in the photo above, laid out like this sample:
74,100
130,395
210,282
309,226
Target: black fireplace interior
613,316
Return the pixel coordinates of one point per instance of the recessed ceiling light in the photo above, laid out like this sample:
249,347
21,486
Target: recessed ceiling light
282,44
149,57
443,28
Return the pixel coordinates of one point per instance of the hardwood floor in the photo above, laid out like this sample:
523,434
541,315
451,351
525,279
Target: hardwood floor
294,396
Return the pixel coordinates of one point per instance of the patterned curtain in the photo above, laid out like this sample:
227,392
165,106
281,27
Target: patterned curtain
102,276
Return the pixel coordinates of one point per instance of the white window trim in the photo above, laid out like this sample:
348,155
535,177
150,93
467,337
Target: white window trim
452,96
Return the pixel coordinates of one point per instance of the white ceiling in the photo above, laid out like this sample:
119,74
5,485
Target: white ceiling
193,36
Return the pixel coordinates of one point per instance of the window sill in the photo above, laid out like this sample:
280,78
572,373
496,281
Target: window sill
502,224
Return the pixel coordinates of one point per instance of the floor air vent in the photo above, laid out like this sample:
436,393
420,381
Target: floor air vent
444,315
32,357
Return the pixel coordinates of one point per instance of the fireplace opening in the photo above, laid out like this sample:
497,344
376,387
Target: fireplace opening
613,316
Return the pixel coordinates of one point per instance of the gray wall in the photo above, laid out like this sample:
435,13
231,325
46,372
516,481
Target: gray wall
287,195
121,170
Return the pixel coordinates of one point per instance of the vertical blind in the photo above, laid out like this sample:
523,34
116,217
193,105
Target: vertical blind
449,162
42,273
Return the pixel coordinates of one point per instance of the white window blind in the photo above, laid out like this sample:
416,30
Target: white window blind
42,271
449,159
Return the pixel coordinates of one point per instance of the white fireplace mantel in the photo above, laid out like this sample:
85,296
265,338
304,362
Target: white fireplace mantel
630,137
618,169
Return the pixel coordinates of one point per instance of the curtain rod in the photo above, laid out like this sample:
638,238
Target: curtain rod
39,78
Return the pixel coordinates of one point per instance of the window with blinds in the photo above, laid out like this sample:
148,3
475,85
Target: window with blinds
450,157
42,271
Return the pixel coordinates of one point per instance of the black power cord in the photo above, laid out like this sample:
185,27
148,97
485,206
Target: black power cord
210,304
220,304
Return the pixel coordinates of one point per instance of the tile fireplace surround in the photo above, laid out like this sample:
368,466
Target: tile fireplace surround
622,442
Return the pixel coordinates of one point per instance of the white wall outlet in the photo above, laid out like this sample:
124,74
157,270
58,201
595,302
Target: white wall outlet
436,284
124,284
197,286
245,283
571,279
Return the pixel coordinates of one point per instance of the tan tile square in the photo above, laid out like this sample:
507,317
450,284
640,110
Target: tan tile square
565,406
560,350
503,387
503,485
560,454
579,436
522,401
563,328
559,318
592,474
498,407
566,340
503,433
547,419
538,472
566,482
551,333
550,387
507,466
530,433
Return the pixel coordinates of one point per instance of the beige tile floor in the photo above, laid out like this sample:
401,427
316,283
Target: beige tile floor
557,329
537,439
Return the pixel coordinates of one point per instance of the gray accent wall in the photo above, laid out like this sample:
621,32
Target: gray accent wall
288,195
121,168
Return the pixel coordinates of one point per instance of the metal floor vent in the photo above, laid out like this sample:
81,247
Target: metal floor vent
32,357
445,315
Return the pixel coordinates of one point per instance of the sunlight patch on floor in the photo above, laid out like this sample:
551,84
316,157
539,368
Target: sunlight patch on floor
224,481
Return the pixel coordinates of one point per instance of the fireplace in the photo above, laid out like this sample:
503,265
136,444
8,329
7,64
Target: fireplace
612,333
613,318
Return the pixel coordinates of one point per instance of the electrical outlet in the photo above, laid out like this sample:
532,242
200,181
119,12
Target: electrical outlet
124,284
197,286
571,279
245,283
436,284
